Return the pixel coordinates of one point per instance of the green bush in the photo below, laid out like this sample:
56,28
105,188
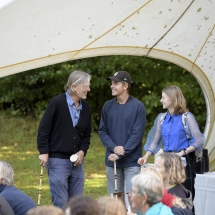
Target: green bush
28,93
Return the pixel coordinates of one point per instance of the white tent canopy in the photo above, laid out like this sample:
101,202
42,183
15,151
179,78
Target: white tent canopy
38,33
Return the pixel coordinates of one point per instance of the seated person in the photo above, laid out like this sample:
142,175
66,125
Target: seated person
174,202
18,201
146,195
173,173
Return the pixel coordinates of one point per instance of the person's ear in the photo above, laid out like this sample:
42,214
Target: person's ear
144,199
125,85
73,88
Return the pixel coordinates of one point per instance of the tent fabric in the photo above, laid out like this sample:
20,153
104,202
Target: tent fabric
38,33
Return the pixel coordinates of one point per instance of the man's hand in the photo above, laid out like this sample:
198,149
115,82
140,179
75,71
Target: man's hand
113,157
80,158
43,159
119,150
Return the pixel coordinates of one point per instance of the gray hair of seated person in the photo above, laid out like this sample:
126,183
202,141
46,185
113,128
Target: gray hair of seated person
6,173
148,185
77,77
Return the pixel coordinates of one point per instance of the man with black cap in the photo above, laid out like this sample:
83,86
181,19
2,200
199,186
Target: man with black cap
121,131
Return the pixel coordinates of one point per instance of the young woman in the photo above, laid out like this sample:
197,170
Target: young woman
171,130
170,166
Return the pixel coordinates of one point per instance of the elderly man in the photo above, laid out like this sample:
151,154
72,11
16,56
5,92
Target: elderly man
64,132
19,201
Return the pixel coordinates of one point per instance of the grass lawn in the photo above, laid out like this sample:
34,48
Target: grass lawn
18,147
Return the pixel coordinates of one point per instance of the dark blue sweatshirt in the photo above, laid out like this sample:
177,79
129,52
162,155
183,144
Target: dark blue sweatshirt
123,125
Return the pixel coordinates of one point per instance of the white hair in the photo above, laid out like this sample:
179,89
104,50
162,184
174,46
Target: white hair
146,184
77,77
6,173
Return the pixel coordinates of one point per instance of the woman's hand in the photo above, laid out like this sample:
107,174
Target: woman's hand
180,154
142,160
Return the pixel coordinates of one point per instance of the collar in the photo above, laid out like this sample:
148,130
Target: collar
128,100
173,116
71,102
168,116
1,187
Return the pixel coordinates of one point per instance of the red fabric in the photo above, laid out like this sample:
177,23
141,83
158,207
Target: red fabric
167,198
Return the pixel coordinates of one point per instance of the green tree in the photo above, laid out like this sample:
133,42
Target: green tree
28,93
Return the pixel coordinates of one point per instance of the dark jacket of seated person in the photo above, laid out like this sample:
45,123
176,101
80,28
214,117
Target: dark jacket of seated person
18,201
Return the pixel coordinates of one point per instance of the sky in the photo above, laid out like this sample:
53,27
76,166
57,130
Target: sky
4,2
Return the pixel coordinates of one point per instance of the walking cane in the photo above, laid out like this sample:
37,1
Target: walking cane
115,179
40,186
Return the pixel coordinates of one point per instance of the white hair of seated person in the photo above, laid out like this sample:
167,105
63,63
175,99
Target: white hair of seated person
148,185
6,173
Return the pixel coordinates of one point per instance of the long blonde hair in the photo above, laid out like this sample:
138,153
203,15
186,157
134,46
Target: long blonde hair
177,98
177,202
174,167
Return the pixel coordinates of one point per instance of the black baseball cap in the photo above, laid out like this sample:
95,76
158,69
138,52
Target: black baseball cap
121,76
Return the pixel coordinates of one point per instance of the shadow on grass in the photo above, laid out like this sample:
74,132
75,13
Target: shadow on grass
23,157
18,147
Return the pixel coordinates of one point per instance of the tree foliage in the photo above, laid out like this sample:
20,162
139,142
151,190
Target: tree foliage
28,93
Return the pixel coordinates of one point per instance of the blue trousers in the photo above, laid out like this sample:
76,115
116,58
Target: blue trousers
65,180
